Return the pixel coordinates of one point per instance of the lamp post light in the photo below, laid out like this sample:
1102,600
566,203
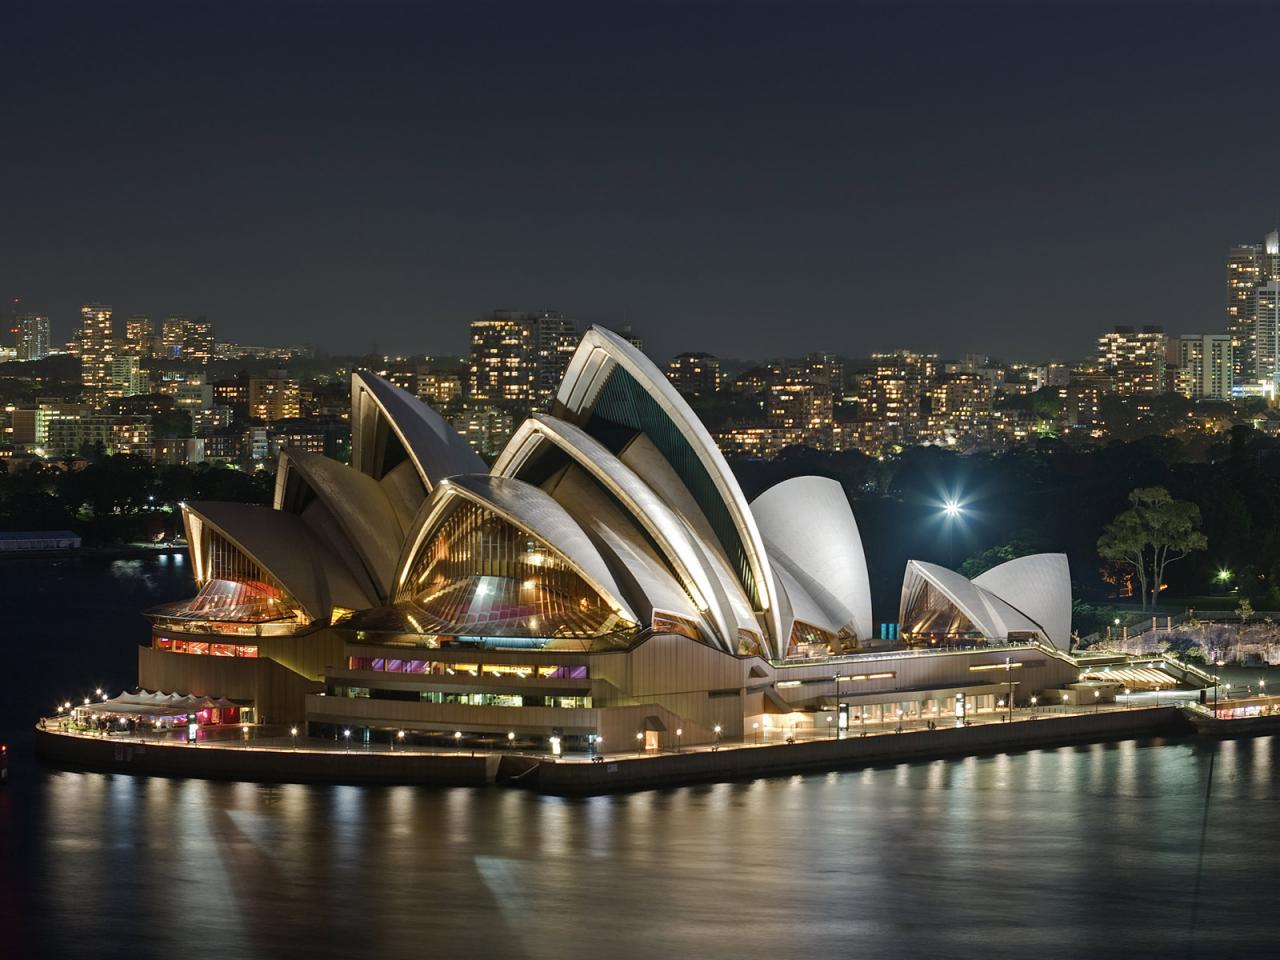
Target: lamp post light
457,738
1097,700
679,734
293,732
1034,701
511,737
639,742
756,729
244,733
716,731
951,510
346,735
1008,676
399,736
1127,703
831,724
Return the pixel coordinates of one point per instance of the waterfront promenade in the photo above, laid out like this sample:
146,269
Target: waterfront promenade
271,757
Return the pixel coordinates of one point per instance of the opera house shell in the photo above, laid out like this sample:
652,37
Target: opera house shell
605,577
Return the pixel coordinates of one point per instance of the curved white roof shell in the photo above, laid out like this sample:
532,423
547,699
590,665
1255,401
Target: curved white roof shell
368,522
809,529
432,444
531,509
709,588
642,576
995,618
1040,587
283,545
599,355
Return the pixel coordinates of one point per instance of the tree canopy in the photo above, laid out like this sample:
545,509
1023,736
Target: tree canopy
1155,531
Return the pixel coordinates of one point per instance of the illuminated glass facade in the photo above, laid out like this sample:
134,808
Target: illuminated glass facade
481,575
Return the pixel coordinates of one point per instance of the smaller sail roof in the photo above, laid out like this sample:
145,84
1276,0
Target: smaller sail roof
286,547
992,616
436,449
1040,587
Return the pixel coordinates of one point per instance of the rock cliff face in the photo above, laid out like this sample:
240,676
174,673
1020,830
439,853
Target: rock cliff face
1231,643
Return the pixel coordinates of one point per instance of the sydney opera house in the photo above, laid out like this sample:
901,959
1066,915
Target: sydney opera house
605,581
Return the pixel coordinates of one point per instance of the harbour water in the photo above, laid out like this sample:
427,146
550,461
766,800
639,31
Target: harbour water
1139,848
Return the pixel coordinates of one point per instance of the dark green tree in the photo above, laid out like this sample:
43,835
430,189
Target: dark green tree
1155,531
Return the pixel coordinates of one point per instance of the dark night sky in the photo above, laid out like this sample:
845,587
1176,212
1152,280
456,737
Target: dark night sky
752,180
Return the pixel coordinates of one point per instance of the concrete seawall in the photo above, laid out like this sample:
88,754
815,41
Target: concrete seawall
643,773
266,766
578,778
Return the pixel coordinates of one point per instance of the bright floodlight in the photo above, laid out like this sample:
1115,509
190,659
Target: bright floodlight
952,508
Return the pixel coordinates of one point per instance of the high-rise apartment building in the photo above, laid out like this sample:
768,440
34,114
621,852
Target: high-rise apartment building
694,374
960,405
140,337
172,334
554,340
187,339
125,377
893,397
1249,266
276,396
1205,366
520,357
438,389
1265,340
1134,358
198,341
503,358
31,336
801,404
96,347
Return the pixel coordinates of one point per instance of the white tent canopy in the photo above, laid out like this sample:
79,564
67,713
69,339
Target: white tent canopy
145,703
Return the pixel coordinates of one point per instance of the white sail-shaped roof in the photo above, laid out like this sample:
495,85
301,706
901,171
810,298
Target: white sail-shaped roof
712,588
532,510
990,615
642,400
1040,587
434,447
809,529
366,519
285,547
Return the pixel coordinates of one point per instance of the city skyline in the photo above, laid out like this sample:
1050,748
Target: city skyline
688,171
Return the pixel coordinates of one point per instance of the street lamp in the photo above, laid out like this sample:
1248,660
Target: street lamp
716,730
1097,700
399,736
831,724
293,732
679,734
511,736
457,738
1008,676
347,736
756,727
951,511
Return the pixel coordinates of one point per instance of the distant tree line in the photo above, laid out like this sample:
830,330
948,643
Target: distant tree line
119,498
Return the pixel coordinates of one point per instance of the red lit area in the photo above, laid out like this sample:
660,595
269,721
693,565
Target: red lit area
205,647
